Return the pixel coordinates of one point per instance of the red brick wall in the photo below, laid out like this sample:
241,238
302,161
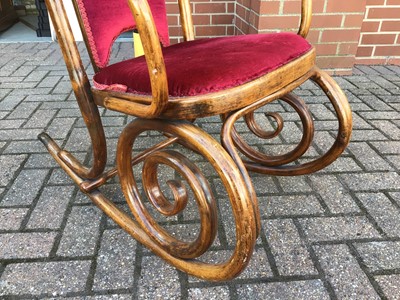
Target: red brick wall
210,17
380,35
335,28
344,32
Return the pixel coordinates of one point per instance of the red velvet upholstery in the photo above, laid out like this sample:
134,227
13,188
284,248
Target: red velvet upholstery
207,65
105,20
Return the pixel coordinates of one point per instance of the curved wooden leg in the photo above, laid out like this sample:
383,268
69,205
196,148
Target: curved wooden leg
150,233
277,160
145,230
81,86
277,165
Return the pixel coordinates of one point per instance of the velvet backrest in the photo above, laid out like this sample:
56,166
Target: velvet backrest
104,20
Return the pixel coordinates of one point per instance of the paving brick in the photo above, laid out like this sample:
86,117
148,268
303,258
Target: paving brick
25,188
60,127
333,194
383,69
291,133
321,112
375,103
19,85
11,219
26,245
359,122
11,124
390,284
62,87
370,160
23,71
395,160
9,165
258,267
81,232
10,102
40,161
18,147
396,197
42,98
290,253
325,125
217,293
54,278
307,289
367,135
380,115
154,284
379,256
360,107
338,228
264,184
390,147
342,164
50,209
49,81
388,128
31,91
19,134
68,112
383,82
23,110
110,295
79,140
58,176
40,119
115,261
323,141
36,76
343,272
294,184
371,181
291,205
383,211
4,92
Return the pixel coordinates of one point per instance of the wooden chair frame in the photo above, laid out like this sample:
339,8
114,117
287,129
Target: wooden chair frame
173,117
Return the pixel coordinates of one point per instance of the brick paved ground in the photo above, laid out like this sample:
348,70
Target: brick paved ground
334,234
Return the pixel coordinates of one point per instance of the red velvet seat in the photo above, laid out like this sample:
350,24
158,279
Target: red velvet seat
207,65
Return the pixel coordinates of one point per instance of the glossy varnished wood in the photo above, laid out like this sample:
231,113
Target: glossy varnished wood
173,117
83,94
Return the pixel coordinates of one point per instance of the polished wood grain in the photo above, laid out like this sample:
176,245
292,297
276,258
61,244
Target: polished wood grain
82,90
186,20
173,117
306,16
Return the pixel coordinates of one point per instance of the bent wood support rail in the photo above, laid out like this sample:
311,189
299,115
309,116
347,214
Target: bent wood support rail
83,94
158,240
174,119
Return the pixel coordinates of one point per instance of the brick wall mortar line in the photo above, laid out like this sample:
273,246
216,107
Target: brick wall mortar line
281,4
383,6
380,20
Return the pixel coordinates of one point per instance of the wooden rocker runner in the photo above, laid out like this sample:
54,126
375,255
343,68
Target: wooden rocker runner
167,90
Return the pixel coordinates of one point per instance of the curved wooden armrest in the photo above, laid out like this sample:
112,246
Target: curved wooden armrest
306,13
186,19
154,58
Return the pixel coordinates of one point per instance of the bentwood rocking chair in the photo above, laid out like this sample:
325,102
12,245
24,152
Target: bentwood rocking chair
167,90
